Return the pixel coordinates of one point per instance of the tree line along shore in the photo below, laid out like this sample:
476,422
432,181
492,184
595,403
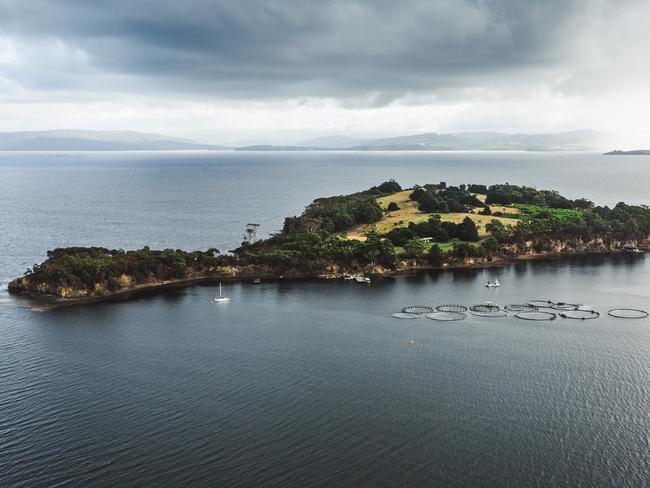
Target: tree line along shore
383,230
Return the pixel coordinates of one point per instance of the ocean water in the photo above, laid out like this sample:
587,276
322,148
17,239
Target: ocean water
311,383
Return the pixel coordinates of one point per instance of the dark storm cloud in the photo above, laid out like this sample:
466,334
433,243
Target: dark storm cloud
371,50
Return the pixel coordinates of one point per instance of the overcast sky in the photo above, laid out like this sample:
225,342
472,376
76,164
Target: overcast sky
282,70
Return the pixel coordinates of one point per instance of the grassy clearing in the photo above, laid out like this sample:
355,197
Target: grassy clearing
533,211
505,210
479,220
408,212
498,208
449,245
444,246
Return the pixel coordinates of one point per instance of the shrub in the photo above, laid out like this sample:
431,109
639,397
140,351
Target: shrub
435,256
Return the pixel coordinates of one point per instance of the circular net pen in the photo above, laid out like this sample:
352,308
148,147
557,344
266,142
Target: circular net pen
418,309
579,314
535,315
446,316
562,306
487,310
452,308
520,307
403,315
541,303
628,313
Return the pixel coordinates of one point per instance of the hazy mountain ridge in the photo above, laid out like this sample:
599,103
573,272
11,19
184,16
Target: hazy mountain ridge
459,141
90,140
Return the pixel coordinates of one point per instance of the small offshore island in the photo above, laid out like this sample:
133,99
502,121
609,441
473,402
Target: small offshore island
384,230
635,152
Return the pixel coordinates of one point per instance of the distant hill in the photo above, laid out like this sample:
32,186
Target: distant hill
331,142
579,140
268,147
636,152
90,140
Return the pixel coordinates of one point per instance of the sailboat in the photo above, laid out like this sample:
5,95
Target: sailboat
494,284
221,298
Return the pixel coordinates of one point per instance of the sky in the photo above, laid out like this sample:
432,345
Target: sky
279,71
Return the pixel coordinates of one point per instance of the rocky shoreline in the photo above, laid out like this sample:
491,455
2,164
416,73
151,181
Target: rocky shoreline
43,301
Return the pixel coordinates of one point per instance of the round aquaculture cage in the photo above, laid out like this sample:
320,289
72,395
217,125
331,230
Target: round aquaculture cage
536,315
445,316
520,307
452,308
419,309
628,313
403,315
487,310
566,306
541,303
578,314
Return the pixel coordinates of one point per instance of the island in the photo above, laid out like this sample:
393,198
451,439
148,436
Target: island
382,231
635,152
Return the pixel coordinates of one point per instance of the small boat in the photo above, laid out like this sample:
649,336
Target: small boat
257,281
627,247
362,279
493,284
221,298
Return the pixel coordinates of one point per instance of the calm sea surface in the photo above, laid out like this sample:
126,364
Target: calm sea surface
311,383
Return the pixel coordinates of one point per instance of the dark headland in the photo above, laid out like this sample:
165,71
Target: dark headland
635,152
385,230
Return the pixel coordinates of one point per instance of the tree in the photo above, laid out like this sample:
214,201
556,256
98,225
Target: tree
467,231
435,256
392,207
490,246
482,189
400,236
417,193
464,250
367,211
414,247
486,211
499,231
390,186
430,202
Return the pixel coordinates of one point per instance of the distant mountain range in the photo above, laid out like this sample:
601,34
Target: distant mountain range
90,140
579,140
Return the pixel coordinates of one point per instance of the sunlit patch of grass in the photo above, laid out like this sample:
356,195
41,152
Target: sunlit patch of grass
408,212
533,211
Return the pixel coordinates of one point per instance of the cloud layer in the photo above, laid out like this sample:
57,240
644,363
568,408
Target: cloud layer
350,55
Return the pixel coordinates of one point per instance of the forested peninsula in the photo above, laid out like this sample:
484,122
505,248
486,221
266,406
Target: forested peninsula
384,230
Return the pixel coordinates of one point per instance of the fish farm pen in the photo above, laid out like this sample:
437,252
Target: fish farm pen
534,310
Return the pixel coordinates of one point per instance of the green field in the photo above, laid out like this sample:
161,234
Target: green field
444,246
534,211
